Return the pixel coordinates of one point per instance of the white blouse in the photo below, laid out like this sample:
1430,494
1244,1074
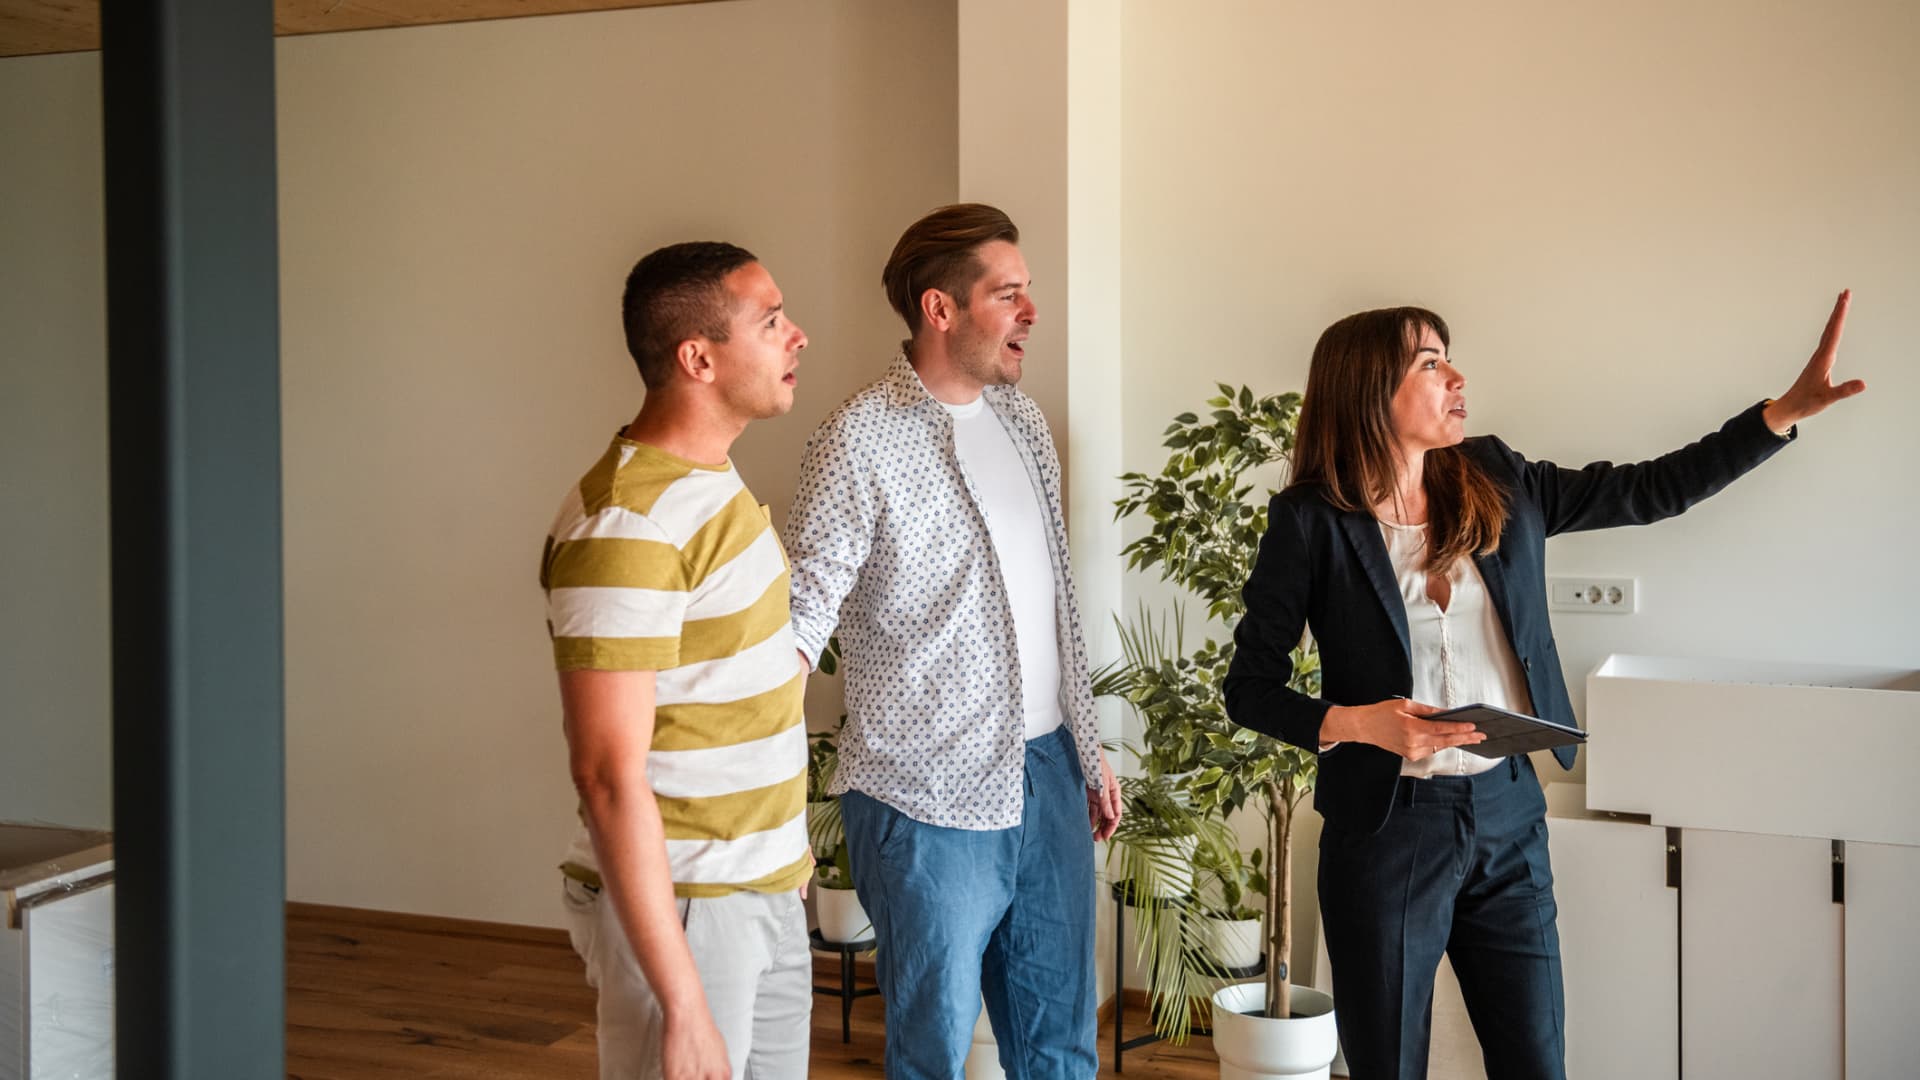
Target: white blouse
1460,653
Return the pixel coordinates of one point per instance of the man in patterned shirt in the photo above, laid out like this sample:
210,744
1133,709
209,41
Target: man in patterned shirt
928,527
667,604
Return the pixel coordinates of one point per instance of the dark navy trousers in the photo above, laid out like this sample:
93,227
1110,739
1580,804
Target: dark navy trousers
1460,868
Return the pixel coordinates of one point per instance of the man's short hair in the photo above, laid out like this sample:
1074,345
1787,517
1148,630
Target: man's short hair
940,251
676,293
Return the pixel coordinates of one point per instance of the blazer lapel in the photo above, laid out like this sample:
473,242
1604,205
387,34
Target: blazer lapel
1364,534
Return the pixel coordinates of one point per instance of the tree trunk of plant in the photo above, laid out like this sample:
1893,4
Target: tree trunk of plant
1279,898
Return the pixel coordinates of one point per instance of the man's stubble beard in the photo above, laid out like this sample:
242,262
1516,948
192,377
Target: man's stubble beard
980,359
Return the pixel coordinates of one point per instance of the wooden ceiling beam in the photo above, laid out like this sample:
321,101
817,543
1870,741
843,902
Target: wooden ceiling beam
36,27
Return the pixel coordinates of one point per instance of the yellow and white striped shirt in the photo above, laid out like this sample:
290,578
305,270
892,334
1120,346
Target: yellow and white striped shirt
655,563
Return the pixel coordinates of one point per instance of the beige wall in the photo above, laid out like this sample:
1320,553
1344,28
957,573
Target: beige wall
1634,215
460,206
54,703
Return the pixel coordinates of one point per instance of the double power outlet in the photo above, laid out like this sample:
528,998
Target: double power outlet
1609,596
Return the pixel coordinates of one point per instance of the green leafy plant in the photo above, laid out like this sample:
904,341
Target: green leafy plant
1229,880
1152,855
826,833
823,761
1204,529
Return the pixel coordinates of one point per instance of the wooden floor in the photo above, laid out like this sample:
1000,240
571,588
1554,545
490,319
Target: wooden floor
375,995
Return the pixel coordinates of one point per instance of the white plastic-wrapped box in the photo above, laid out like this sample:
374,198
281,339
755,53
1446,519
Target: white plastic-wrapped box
56,953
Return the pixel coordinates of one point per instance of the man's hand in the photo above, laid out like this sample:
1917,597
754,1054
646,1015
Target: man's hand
692,1049
1398,725
1813,391
1103,806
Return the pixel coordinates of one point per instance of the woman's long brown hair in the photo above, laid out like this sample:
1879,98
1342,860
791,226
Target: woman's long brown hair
1345,444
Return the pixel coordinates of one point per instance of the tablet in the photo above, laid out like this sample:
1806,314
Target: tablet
1510,732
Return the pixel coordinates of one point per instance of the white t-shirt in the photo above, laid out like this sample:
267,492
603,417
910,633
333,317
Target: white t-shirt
1461,655
1016,524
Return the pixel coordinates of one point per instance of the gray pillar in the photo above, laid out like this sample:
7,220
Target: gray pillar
194,415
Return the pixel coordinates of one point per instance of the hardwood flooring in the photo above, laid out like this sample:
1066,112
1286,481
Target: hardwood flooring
373,995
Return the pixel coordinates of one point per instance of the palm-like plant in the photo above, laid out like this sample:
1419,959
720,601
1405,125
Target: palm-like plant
1155,868
1203,535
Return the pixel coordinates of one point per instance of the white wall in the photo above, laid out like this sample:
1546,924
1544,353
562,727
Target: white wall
1635,217
1095,384
460,207
55,720
1039,136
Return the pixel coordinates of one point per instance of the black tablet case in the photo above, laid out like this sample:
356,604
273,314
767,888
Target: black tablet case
1510,732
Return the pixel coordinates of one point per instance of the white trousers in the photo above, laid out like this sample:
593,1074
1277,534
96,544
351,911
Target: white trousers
755,965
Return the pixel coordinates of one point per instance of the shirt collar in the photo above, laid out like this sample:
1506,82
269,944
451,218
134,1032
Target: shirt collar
904,388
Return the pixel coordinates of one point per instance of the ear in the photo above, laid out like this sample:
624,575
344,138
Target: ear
937,310
693,360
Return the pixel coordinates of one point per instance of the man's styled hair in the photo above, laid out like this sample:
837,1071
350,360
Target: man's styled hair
940,251
676,293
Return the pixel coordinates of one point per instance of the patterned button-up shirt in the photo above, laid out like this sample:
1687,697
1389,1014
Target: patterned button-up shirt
888,541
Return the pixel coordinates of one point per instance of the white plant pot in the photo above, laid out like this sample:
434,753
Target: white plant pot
1237,942
842,919
1177,879
1255,1048
983,1059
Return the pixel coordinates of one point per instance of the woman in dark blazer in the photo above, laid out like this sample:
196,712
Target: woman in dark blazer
1416,556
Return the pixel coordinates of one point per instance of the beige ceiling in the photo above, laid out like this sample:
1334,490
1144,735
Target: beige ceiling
31,27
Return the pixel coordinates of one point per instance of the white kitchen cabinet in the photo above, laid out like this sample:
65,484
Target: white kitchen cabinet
1766,773
56,954
1882,957
1760,956
1619,940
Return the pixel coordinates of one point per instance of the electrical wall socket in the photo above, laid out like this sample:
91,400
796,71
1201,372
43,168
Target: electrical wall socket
1610,596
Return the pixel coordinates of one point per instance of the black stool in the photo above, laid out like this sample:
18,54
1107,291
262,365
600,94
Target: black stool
1124,898
845,991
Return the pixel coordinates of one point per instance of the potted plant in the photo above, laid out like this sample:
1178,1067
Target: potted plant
842,919
1230,882
837,906
1203,534
1158,839
1151,859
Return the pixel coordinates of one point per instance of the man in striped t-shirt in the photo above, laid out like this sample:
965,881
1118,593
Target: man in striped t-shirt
667,605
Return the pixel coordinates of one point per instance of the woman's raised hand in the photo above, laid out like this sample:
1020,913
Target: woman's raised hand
1814,390
1398,725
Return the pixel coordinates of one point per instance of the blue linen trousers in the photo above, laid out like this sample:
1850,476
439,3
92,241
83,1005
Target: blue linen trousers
1007,914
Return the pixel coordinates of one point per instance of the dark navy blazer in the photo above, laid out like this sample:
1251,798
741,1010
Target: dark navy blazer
1328,569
